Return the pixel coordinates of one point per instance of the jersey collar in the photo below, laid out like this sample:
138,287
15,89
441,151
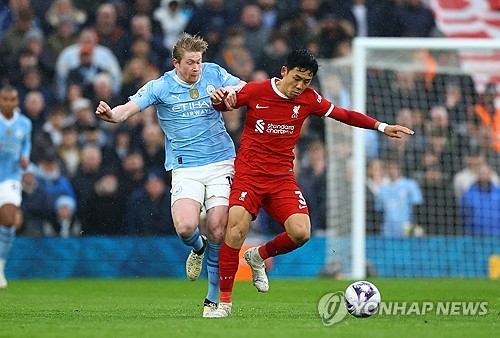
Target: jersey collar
184,83
276,90
10,121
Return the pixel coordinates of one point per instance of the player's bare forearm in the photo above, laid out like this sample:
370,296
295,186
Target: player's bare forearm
117,114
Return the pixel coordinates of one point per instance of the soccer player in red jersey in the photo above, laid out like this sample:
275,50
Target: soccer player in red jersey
276,110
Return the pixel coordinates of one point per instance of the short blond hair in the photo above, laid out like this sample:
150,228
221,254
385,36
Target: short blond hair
188,43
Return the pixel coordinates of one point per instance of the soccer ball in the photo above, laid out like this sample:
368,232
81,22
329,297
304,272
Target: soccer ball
362,299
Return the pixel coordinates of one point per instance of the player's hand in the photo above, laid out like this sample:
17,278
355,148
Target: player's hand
397,130
103,111
24,162
226,95
230,99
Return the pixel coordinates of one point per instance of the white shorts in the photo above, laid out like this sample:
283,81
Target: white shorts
10,192
209,184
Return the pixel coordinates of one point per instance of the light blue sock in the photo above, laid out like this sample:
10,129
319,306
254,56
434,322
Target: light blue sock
213,271
7,235
194,241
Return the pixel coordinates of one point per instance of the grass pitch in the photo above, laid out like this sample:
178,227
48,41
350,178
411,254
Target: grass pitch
172,308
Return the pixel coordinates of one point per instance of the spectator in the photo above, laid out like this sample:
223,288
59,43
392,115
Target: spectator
61,193
13,37
82,115
148,208
34,42
466,177
64,11
114,154
331,34
133,173
141,28
102,89
88,173
438,214
34,108
110,33
255,33
479,205
173,20
371,18
375,179
408,149
397,200
56,120
135,74
103,57
416,19
211,21
455,104
103,197
36,205
153,150
61,37
69,151
32,81
272,15
235,56
86,71
274,54
490,114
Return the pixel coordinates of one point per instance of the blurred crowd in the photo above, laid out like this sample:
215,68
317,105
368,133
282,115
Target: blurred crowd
94,178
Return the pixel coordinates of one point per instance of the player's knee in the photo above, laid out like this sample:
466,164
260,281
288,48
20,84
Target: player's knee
301,234
217,233
185,229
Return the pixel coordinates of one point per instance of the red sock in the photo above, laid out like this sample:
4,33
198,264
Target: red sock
228,265
279,245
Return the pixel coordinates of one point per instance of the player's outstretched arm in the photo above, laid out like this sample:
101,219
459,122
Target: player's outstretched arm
393,130
117,114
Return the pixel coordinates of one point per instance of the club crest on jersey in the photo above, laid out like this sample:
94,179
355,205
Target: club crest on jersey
193,92
295,112
8,133
243,195
210,89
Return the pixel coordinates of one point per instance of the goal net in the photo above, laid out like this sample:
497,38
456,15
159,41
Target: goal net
416,206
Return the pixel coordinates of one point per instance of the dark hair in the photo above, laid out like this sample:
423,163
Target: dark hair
303,60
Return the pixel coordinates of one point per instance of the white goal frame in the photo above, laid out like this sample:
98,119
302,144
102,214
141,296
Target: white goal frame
359,73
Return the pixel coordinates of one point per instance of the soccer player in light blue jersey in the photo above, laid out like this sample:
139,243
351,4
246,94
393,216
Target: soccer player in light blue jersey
198,150
15,148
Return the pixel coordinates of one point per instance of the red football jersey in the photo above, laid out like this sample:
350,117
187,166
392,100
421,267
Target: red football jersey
272,126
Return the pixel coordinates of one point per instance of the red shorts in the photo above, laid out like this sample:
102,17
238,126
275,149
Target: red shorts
280,197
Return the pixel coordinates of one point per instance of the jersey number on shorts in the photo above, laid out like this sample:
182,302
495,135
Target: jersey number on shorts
302,200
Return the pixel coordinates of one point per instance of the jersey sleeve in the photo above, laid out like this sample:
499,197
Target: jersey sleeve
320,106
145,96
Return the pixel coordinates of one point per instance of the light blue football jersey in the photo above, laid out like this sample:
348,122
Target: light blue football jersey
195,134
15,141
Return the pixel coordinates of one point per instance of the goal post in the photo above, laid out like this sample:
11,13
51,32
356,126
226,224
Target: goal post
346,233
